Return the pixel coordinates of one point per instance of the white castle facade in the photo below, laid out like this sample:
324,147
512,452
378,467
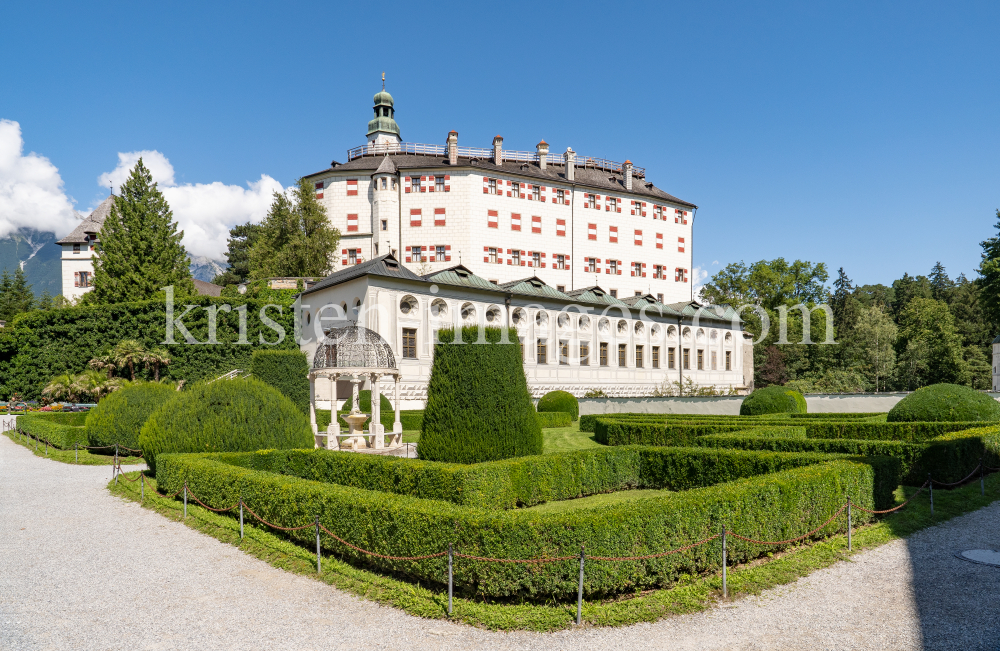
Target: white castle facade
586,258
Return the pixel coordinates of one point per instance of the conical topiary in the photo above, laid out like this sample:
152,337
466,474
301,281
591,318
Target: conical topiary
478,405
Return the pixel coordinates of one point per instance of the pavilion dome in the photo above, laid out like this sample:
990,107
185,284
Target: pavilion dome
353,347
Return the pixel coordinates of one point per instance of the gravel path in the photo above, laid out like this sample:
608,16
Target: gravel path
108,574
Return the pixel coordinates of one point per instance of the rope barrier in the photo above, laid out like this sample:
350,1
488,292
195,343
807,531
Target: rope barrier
376,554
785,542
554,559
957,483
306,526
642,558
896,508
209,507
126,477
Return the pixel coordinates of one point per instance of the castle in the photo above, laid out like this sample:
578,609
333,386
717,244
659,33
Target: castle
588,260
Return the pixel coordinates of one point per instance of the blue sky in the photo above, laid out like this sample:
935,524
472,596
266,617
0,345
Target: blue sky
863,135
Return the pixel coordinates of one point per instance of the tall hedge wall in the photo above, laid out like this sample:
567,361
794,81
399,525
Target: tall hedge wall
285,370
770,507
38,346
478,405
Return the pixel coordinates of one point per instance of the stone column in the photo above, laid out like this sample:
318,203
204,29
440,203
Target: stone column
378,433
333,429
397,426
312,409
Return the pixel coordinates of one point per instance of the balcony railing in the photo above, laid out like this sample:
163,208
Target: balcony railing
422,149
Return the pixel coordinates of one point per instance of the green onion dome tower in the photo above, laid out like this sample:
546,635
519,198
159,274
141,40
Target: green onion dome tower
383,130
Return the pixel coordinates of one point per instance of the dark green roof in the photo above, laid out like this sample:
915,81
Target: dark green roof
459,275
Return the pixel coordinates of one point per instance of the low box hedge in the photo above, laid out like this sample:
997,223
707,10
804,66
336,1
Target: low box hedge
555,419
776,506
46,428
627,431
948,458
527,481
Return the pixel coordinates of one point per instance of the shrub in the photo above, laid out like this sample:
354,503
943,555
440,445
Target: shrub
947,403
478,405
777,506
554,419
45,427
387,416
285,370
773,400
225,416
119,417
560,401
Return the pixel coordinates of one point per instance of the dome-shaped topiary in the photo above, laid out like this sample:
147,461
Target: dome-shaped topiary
478,405
560,401
773,400
387,415
945,402
118,417
225,416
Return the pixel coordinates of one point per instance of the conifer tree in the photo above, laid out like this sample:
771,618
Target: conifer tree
15,294
989,280
241,241
295,239
140,246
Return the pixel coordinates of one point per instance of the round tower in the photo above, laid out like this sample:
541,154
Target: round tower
385,207
383,130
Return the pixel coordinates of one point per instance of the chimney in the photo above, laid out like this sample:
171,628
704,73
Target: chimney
543,153
570,158
453,148
627,173
498,150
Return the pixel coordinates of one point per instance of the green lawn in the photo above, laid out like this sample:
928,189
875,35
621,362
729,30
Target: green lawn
603,499
557,439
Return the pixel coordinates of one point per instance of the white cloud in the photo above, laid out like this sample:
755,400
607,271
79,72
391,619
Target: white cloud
154,161
698,279
206,211
715,262
31,190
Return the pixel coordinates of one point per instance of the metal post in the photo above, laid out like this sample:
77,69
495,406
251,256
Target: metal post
116,462
185,499
848,523
241,518
76,452
930,483
46,447
725,589
142,488
579,594
116,474
982,484
319,568
450,579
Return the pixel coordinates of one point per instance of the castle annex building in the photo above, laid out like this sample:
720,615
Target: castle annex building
584,257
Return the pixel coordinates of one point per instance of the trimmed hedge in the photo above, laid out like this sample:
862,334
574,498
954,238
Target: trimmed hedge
527,481
225,416
478,405
387,416
771,507
773,400
773,432
560,401
117,418
945,402
285,370
614,431
589,422
554,419
46,428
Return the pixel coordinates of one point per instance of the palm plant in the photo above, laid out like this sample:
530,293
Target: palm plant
61,387
156,358
96,385
129,352
104,363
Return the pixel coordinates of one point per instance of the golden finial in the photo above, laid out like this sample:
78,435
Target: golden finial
383,80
